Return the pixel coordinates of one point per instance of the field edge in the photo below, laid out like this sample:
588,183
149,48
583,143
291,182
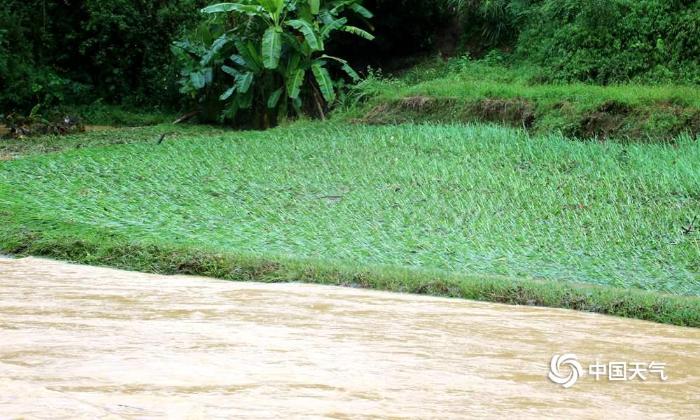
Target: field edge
95,246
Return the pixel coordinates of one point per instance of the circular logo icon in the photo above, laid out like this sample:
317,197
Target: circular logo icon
565,370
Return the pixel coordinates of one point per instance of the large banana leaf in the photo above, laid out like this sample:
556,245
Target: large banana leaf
274,98
361,10
314,5
244,81
345,66
230,70
332,25
315,42
249,53
273,7
295,82
325,83
272,47
245,100
228,93
202,77
249,9
359,32
197,79
239,60
218,44
293,64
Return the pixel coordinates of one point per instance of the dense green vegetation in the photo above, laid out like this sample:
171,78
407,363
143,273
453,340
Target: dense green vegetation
474,201
120,50
267,59
55,52
464,90
601,41
606,41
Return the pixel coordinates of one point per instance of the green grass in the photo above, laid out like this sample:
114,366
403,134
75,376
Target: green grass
466,211
474,79
464,91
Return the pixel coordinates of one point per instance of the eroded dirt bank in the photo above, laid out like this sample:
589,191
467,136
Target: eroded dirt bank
90,342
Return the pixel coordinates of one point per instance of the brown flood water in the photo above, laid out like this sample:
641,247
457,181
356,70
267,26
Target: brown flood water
97,343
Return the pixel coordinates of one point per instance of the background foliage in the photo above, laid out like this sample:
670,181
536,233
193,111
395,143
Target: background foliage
606,41
599,41
78,51
72,51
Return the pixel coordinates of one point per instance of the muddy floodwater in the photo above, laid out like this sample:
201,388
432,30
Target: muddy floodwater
98,343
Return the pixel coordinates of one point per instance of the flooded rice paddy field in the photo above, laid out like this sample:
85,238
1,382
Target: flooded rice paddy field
90,342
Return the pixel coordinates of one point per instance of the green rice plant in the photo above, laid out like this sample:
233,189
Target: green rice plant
479,212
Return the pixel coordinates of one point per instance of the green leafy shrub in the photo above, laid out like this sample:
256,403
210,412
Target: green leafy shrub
598,41
264,58
490,23
607,41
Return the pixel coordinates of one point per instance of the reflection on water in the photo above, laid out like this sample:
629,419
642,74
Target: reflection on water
90,342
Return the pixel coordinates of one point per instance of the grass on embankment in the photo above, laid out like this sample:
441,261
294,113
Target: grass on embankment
467,91
476,212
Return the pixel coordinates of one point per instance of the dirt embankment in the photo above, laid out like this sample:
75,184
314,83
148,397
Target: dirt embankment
612,119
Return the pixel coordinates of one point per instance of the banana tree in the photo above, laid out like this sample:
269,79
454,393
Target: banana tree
277,54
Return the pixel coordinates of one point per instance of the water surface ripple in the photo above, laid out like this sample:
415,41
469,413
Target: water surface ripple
90,342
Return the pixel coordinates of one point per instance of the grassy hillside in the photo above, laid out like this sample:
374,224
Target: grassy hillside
470,211
475,91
